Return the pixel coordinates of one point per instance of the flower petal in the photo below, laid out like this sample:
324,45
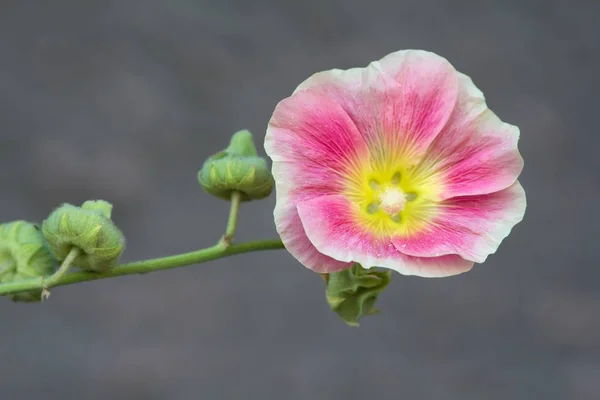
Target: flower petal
314,146
310,127
291,189
330,224
294,238
472,226
398,103
475,153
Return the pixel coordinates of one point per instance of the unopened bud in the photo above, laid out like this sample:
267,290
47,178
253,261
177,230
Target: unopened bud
237,168
24,254
88,228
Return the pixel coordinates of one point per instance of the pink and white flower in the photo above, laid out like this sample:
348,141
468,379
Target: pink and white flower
398,165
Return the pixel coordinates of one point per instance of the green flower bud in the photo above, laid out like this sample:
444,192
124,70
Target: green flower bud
352,293
89,228
237,168
24,254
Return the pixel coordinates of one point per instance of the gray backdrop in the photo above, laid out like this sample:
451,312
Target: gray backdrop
123,100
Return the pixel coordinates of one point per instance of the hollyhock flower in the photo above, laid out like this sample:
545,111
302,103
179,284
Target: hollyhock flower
398,165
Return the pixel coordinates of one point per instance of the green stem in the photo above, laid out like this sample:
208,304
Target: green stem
219,250
236,199
64,268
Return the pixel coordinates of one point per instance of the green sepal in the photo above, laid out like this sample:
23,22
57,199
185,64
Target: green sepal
352,293
88,228
242,144
24,254
237,168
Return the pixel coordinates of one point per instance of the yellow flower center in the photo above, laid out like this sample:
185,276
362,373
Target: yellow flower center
392,201
390,197
387,198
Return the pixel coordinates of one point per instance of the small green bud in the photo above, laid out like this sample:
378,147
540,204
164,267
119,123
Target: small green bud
237,168
89,228
24,254
100,206
352,293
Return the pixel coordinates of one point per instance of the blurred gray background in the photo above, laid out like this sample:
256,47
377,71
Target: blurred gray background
123,100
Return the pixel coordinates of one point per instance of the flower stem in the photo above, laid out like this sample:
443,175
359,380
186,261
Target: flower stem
64,268
236,198
219,250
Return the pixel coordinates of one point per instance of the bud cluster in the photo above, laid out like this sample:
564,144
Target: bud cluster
28,251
